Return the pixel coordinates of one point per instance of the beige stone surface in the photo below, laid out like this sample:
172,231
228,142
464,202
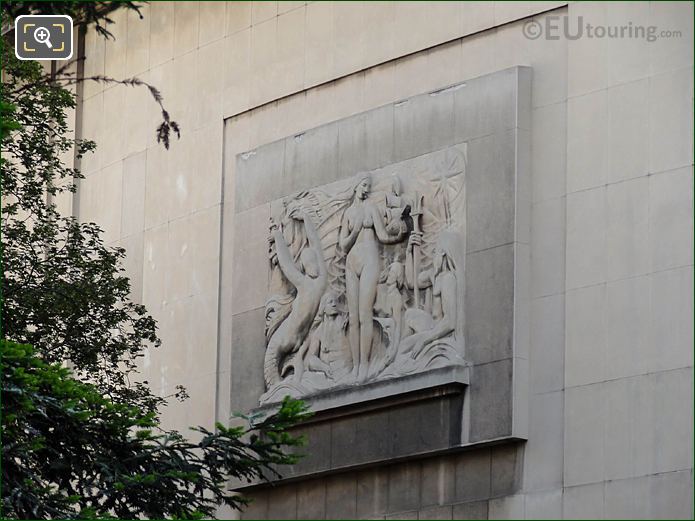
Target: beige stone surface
133,204
186,27
116,48
100,200
212,21
137,59
161,32
610,229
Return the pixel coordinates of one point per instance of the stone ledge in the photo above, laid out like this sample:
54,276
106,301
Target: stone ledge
386,421
382,393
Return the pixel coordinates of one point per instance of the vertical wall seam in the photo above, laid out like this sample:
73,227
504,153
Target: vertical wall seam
79,116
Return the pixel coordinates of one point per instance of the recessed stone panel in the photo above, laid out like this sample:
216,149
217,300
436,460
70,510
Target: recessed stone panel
386,252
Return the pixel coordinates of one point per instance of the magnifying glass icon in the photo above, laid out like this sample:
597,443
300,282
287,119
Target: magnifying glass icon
43,35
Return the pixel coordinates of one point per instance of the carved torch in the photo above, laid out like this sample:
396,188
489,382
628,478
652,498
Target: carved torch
415,213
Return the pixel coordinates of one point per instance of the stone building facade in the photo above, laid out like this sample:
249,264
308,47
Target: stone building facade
572,388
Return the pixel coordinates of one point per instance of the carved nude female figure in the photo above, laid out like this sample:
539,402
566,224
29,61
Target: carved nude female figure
361,229
310,285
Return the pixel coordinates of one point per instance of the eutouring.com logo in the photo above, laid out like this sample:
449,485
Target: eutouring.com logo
555,27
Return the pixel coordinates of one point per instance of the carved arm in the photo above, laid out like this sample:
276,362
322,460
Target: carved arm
315,244
348,236
285,260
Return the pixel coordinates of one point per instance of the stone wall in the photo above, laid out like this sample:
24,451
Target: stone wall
458,485
610,317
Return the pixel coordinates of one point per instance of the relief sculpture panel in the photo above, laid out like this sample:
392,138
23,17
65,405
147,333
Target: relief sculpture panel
380,262
367,277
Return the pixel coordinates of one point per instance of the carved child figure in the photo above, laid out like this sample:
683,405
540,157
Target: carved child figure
325,351
310,283
390,303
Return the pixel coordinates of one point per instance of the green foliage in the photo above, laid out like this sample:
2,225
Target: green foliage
68,452
82,12
87,443
7,121
64,291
